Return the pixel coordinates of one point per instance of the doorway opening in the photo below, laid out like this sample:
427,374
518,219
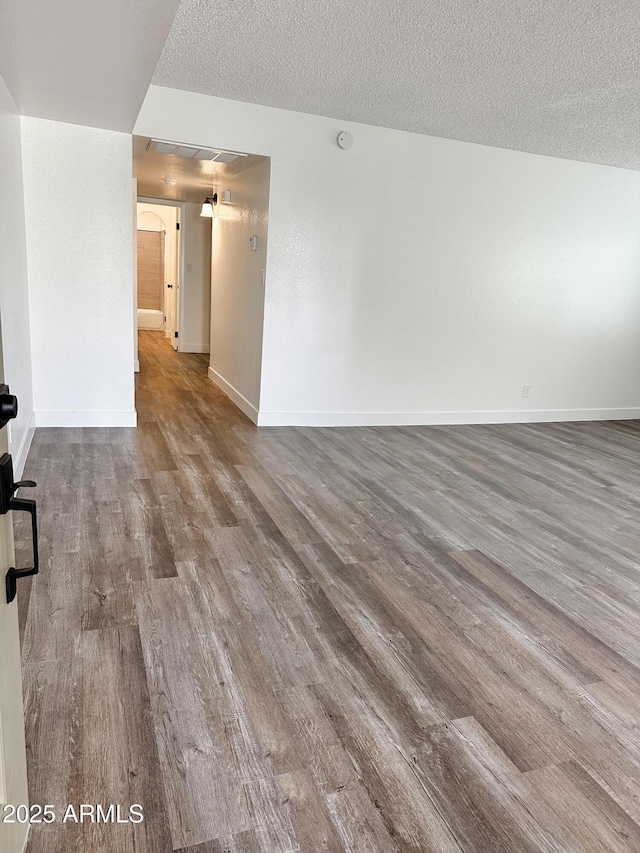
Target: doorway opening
215,305
183,253
158,267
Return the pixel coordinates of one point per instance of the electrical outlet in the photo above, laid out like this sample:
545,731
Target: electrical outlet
189,267
526,390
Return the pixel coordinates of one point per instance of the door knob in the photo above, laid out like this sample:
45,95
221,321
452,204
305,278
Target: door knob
8,406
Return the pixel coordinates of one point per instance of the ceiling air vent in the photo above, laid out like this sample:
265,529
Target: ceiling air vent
161,146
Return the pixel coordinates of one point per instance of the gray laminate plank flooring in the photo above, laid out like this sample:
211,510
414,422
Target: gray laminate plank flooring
368,640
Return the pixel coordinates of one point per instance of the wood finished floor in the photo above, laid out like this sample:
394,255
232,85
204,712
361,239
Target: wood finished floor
368,639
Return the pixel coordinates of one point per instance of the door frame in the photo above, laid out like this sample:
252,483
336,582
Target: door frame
13,753
180,272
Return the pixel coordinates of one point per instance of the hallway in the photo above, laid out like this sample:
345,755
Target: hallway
366,639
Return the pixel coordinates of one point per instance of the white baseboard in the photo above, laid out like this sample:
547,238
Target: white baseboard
86,419
338,419
20,455
136,366
234,395
204,348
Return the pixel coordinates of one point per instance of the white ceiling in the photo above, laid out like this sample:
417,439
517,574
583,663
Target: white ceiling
195,179
82,61
558,77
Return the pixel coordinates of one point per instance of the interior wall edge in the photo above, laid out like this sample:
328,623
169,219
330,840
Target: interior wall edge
20,455
235,396
14,283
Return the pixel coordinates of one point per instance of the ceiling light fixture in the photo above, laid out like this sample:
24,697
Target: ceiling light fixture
208,205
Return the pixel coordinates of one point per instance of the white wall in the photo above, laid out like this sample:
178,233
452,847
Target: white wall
77,183
414,280
237,290
14,296
196,288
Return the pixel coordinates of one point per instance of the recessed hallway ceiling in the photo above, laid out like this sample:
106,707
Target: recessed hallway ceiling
193,178
549,77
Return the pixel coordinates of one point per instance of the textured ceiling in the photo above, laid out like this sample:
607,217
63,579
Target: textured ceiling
557,77
82,61
194,179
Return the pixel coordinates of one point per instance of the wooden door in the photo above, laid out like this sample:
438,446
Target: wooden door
151,270
13,757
